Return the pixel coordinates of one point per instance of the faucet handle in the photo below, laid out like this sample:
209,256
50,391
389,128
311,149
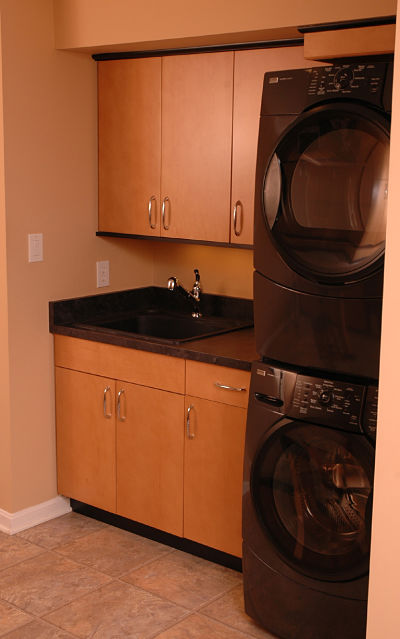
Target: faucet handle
197,275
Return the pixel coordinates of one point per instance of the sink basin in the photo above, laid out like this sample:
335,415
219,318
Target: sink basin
168,327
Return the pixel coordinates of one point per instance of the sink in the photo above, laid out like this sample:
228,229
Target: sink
168,327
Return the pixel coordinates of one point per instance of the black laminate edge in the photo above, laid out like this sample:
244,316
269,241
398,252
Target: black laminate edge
192,547
348,24
237,46
172,239
183,352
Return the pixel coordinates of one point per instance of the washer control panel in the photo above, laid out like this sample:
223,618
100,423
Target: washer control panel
333,403
337,403
370,412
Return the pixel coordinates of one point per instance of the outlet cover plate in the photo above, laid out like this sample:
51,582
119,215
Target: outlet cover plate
103,273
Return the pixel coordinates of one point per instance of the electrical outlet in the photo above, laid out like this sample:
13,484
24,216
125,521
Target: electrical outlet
35,247
103,273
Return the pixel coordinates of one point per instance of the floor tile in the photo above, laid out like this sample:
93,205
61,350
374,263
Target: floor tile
46,582
11,618
61,530
198,627
186,580
230,609
117,610
113,551
14,550
39,630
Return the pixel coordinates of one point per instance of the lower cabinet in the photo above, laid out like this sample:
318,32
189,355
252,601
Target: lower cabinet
86,438
150,441
156,455
213,474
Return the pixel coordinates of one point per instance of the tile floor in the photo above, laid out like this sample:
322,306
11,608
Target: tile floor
77,577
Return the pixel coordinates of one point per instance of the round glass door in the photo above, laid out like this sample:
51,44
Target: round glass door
325,193
312,490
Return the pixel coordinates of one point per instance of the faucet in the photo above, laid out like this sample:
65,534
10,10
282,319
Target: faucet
193,296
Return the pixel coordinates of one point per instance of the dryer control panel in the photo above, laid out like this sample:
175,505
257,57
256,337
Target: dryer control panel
346,80
294,90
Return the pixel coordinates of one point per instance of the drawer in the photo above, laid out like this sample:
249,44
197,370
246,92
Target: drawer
117,362
208,381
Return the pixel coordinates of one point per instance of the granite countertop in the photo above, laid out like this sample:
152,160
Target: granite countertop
77,317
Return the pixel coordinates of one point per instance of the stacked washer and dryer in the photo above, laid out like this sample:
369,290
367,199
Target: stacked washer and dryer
320,223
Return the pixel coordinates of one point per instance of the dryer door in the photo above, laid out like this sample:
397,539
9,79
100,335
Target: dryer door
312,490
325,192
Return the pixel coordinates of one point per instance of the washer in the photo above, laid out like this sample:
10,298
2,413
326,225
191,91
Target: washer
307,502
320,216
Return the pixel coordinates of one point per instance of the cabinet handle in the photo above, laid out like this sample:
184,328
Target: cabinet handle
237,230
121,418
152,199
238,389
190,435
106,415
165,200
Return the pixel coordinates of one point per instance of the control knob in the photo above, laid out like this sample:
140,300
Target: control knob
325,397
343,78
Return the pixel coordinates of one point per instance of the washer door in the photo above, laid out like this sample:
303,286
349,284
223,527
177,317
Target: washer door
325,193
312,491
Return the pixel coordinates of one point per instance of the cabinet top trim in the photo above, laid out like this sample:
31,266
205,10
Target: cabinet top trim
269,44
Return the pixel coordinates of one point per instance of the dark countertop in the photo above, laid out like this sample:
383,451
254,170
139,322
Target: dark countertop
77,317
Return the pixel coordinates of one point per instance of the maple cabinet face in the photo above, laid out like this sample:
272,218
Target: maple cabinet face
213,474
150,439
129,123
86,438
196,145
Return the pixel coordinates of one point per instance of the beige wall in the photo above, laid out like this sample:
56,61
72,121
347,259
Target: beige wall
150,23
384,595
5,427
222,271
50,153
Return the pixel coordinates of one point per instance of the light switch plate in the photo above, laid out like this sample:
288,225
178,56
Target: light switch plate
103,273
35,247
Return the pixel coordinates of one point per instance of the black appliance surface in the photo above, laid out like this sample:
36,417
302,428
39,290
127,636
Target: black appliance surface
320,215
307,503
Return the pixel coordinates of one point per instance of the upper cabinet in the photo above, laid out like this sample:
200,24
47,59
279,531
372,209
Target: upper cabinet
178,143
129,122
196,146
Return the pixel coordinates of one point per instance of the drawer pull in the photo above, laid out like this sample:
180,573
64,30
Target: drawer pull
163,213
152,199
106,415
238,389
121,418
237,227
190,435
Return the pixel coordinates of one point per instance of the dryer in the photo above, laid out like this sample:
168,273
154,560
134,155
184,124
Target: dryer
320,216
307,503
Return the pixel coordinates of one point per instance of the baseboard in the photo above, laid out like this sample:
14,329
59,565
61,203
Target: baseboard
12,523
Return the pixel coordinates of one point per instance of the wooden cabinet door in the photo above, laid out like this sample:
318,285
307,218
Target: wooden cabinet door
213,474
85,420
129,121
250,67
150,440
196,145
